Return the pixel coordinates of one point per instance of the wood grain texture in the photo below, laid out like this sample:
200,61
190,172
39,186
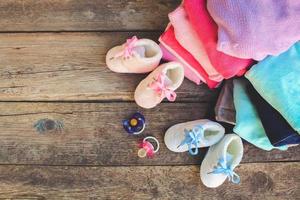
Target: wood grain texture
93,135
92,157
84,15
270,181
71,66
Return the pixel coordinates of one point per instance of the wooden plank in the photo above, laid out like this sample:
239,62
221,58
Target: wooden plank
71,66
93,135
83,15
258,181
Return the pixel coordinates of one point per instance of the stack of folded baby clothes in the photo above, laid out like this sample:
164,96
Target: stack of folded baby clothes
221,39
218,39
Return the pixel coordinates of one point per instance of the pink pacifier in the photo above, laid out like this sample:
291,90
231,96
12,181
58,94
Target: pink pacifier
146,147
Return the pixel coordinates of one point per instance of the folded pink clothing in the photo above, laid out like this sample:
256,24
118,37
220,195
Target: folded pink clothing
188,39
206,29
192,67
189,74
256,28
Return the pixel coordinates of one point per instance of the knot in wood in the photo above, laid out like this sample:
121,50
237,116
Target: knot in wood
261,182
49,124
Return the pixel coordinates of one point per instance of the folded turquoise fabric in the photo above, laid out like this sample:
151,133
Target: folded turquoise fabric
277,80
248,124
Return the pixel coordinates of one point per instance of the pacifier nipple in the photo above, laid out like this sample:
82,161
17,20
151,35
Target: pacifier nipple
142,153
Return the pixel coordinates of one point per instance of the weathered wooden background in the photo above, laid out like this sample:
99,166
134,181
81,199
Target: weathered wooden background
52,65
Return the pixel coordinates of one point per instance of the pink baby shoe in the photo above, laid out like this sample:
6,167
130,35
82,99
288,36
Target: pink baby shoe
160,84
135,56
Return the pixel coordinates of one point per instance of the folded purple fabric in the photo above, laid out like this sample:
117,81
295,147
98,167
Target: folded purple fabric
256,28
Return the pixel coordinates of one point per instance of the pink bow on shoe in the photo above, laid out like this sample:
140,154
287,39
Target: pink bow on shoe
160,86
128,48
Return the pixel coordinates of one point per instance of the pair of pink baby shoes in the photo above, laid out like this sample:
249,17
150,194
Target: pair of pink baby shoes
142,56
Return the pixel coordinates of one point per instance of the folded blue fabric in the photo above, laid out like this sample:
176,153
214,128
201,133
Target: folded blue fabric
248,124
277,128
277,80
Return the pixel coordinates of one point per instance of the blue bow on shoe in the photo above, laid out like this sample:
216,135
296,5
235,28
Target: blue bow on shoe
192,139
223,168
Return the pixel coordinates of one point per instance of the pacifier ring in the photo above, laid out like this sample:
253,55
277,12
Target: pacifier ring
139,132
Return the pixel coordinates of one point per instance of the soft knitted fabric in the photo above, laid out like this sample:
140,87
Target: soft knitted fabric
224,109
168,40
256,28
188,73
206,29
188,39
248,124
277,128
276,79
